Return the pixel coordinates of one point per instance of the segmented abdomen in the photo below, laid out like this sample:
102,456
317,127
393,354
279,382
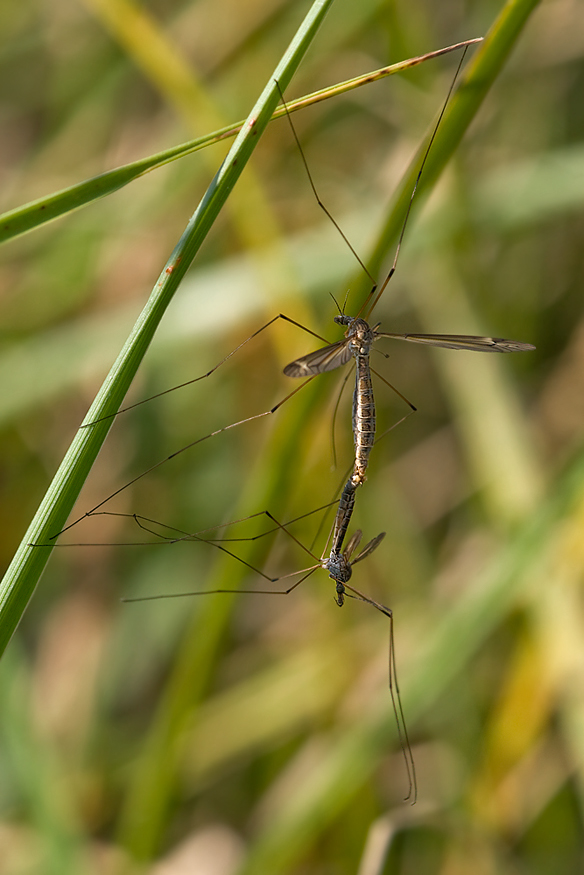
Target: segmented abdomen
363,418
343,517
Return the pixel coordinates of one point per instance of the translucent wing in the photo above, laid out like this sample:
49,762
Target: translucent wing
354,542
326,359
369,548
463,341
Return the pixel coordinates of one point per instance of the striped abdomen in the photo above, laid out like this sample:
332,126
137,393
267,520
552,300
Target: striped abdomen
363,418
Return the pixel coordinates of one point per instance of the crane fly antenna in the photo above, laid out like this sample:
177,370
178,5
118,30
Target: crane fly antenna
338,306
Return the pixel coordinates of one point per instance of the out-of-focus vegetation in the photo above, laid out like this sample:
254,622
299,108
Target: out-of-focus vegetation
255,733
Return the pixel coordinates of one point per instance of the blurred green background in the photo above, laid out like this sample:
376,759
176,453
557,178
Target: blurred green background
255,734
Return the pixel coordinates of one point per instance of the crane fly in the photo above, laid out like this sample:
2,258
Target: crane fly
339,564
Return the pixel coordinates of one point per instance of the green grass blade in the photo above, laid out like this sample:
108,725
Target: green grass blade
23,574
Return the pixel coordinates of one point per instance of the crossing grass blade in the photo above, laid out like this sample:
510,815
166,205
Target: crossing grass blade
33,215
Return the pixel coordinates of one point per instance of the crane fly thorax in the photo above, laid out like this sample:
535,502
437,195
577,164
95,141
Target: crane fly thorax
338,567
360,334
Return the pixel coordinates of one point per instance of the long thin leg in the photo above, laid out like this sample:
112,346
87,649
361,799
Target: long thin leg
394,691
395,425
178,453
145,524
367,308
307,572
397,392
198,535
178,595
208,374
335,412
315,192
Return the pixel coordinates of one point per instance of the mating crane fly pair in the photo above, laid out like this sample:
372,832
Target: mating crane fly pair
359,338
357,343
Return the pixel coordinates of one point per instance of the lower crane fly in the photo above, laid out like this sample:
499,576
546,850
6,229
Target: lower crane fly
339,564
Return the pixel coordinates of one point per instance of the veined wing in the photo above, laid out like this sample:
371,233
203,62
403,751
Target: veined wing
369,548
463,341
354,542
326,359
